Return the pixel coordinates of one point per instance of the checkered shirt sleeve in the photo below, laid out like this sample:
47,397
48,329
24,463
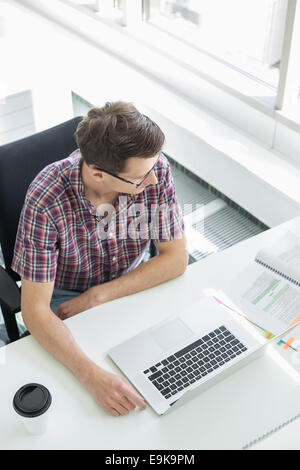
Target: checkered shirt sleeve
35,252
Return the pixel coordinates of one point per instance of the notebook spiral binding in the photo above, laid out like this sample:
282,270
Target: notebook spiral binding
278,272
289,421
269,433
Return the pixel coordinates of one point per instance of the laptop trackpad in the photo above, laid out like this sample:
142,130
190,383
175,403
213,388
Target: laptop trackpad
172,333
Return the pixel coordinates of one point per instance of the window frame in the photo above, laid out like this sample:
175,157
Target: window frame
289,92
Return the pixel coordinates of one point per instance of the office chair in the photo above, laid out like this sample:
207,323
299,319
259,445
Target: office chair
20,162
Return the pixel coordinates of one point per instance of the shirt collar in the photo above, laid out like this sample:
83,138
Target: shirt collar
77,185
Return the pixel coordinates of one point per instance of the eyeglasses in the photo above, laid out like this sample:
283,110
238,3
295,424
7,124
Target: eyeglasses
136,185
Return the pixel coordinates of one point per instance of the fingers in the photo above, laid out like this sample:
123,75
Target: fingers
116,409
127,404
121,409
135,398
122,405
128,397
115,394
111,411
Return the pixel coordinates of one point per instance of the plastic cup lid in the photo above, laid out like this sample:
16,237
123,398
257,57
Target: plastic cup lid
32,400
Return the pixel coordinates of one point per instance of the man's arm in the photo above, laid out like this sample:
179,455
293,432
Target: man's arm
170,263
113,393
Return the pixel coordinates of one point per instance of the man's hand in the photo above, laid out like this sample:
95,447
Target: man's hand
113,393
80,303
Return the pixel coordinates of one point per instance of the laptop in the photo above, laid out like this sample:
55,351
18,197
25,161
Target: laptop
185,354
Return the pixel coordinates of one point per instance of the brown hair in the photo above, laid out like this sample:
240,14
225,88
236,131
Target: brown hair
108,136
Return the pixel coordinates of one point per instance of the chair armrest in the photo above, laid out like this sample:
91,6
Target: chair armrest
10,293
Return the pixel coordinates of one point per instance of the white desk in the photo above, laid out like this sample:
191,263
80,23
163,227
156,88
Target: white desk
76,421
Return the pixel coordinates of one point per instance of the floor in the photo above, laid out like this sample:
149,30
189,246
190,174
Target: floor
214,222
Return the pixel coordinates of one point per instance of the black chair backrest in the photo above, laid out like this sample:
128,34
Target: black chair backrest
20,162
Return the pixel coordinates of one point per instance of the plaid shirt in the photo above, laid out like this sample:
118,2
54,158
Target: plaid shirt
62,237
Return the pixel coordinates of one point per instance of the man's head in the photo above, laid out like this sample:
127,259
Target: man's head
120,141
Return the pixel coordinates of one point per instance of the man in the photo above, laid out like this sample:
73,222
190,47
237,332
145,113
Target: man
84,229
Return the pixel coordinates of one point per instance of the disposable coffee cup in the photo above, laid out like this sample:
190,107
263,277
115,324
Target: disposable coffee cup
32,402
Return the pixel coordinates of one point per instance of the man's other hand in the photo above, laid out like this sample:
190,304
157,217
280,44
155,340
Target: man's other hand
79,304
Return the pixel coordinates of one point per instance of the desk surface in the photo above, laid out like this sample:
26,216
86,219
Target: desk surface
76,421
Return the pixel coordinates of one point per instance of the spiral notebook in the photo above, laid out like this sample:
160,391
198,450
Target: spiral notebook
267,293
270,432
268,290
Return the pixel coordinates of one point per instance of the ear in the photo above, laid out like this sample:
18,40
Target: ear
96,173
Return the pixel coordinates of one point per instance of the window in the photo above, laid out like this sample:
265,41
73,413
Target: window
111,9
249,49
247,35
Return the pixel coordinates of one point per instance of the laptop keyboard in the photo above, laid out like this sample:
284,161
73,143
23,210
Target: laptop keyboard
190,364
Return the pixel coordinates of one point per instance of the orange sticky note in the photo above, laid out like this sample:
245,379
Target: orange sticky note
295,321
288,342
